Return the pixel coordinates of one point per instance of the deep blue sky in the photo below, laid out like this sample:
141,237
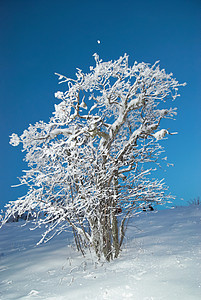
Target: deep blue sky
40,37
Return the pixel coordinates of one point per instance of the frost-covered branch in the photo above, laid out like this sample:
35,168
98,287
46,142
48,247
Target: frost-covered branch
91,165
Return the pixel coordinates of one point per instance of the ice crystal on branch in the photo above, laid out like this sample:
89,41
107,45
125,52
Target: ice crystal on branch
14,139
90,166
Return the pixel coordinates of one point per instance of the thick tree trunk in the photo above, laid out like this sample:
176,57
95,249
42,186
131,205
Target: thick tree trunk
104,237
115,236
107,241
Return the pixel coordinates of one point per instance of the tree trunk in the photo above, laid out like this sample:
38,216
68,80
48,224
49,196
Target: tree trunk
107,246
115,235
96,237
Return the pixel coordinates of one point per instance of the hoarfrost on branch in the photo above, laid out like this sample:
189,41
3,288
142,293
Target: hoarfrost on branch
90,166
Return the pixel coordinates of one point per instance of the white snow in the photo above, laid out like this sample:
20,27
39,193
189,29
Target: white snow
59,95
14,140
161,260
159,135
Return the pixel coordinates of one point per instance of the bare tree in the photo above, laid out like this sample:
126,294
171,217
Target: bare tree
90,167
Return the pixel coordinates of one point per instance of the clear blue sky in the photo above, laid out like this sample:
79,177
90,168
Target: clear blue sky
40,37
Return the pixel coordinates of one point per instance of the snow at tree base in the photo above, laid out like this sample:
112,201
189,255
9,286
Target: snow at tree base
160,260
91,167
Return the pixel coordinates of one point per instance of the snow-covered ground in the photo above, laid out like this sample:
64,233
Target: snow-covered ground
161,259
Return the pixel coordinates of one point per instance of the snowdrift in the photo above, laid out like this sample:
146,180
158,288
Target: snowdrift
161,259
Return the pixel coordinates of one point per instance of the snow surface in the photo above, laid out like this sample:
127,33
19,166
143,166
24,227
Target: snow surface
161,259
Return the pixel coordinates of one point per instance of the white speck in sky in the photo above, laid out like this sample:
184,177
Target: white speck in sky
98,41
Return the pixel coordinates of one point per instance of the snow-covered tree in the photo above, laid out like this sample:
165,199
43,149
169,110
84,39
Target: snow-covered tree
90,166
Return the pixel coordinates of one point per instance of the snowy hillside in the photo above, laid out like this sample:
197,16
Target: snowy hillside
161,259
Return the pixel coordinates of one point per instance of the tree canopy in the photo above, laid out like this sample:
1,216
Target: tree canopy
90,166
